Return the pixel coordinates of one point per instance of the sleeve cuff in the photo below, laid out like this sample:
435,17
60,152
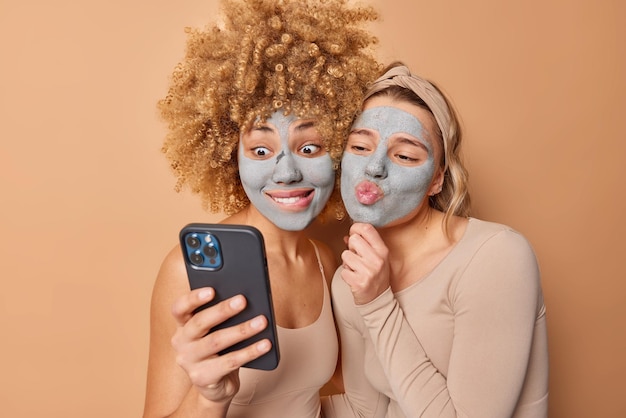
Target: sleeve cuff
384,300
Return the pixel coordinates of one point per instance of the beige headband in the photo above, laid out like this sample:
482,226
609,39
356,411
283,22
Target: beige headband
402,77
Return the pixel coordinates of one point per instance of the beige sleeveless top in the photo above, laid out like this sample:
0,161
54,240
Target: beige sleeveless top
308,357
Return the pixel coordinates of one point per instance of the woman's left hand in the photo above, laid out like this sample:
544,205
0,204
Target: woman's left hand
365,263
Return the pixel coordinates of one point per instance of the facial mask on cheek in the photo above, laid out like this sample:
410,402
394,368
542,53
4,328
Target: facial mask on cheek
394,190
288,189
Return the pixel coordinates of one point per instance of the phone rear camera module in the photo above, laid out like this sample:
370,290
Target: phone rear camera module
210,251
196,258
193,241
202,249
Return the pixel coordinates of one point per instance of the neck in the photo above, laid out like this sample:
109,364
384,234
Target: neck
408,236
287,243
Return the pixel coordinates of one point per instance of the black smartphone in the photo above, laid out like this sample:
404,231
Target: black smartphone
231,259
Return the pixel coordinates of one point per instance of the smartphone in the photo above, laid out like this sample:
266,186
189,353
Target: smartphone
231,259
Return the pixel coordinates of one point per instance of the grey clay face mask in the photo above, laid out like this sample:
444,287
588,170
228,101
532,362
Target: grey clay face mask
289,188
374,188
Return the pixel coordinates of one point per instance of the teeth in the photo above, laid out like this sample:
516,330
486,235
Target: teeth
287,200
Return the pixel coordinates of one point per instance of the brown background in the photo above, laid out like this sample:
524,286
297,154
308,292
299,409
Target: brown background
88,208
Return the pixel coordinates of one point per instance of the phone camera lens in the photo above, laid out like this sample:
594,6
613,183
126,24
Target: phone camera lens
196,258
210,251
193,241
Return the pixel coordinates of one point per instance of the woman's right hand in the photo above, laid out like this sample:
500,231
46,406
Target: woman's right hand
365,263
216,377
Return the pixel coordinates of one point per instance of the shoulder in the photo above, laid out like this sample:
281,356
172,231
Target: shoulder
171,279
173,263
497,256
497,268
484,236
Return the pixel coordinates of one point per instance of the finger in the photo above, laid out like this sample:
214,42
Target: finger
348,275
362,266
201,323
361,248
211,372
353,267
184,307
369,234
367,243
356,243
193,351
349,260
221,339
236,359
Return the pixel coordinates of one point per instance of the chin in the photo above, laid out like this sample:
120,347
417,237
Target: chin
294,225
361,217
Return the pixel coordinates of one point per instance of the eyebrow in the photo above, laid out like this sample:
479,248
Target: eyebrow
414,142
363,131
262,127
305,125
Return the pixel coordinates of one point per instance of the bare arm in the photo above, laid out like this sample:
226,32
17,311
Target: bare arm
186,376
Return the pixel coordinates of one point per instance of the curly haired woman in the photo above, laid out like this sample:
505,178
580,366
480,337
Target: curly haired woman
257,113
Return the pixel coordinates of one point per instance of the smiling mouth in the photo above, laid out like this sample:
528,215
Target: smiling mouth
295,199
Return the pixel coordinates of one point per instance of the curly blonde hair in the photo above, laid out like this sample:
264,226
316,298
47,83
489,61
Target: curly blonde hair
308,58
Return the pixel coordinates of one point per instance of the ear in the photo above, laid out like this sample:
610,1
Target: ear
437,184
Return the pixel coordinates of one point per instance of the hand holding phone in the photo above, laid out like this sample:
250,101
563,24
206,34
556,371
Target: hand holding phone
215,377
231,260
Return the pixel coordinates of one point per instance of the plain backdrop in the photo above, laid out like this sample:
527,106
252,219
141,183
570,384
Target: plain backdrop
88,207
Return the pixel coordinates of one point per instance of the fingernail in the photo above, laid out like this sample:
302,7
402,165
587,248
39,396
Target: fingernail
205,294
263,346
236,302
257,322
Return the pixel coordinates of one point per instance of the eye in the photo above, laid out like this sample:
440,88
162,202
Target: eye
358,148
261,151
407,151
361,142
310,149
406,158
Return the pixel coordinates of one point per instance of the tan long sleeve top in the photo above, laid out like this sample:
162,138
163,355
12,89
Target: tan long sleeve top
468,340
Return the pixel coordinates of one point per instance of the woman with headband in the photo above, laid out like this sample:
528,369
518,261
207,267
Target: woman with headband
440,314
257,113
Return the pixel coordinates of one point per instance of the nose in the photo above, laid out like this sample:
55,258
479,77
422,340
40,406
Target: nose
376,166
286,170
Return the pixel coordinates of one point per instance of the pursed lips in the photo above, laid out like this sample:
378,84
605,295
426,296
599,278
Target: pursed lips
368,193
